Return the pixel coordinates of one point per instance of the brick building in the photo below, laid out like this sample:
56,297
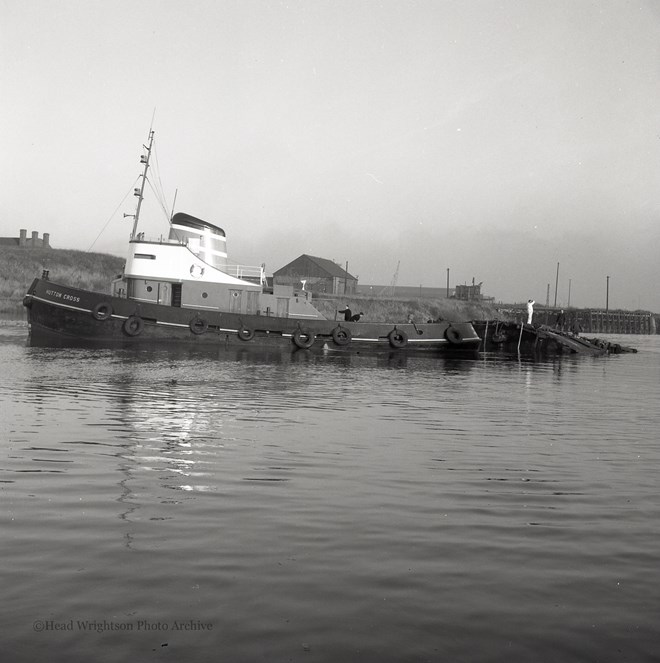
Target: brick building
23,241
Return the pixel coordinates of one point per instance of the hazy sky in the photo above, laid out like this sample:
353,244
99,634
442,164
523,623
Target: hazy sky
493,138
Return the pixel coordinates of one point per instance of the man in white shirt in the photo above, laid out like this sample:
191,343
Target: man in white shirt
530,310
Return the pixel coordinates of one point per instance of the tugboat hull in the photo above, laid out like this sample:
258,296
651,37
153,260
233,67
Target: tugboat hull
59,313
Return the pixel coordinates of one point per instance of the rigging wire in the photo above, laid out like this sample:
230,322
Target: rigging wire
158,192
159,197
115,212
168,213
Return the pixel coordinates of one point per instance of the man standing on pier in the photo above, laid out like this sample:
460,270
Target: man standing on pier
576,327
530,310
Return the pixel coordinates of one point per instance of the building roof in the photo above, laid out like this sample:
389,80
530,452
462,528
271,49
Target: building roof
328,266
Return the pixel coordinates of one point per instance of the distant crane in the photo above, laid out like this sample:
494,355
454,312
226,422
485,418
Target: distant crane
390,290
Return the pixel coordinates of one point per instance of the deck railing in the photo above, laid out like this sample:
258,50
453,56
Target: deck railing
250,272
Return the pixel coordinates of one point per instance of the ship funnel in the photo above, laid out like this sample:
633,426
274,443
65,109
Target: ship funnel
206,241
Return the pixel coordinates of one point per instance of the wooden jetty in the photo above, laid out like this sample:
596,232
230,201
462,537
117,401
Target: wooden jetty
593,321
519,337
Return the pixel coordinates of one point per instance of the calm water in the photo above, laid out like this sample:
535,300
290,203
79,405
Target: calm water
197,507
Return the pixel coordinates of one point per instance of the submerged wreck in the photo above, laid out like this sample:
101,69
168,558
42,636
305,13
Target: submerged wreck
520,337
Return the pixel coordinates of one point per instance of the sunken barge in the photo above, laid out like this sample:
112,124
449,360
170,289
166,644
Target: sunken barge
538,339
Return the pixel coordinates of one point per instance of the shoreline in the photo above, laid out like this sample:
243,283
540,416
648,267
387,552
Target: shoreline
95,271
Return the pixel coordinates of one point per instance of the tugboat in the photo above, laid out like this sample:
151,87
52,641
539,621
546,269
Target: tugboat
184,289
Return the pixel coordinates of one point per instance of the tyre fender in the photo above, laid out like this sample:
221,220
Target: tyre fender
102,311
198,325
341,335
453,335
303,339
133,325
398,338
245,333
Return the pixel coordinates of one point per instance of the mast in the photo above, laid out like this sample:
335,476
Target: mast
140,192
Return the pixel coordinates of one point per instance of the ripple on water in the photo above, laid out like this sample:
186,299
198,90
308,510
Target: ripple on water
332,508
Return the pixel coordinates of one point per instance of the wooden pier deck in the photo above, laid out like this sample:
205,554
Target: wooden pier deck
593,321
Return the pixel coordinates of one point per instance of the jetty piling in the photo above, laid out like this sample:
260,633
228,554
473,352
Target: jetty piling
600,321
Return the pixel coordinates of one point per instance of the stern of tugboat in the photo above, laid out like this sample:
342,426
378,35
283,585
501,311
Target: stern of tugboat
462,337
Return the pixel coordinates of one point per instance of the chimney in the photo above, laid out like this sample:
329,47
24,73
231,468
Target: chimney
35,239
46,242
22,239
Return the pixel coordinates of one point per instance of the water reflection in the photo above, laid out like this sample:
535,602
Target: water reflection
171,412
258,354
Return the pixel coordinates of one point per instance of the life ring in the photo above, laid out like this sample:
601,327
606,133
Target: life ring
245,333
453,335
198,325
303,339
102,311
133,325
397,338
341,335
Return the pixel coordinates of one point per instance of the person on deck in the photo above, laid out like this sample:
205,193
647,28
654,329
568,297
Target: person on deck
561,320
577,327
348,314
530,310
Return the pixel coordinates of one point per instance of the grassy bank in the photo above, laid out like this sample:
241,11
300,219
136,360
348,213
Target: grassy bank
398,310
95,271
18,267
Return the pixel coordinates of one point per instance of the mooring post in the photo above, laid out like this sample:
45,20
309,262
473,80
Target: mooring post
607,295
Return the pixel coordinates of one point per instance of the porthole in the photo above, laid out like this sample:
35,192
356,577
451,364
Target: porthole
205,295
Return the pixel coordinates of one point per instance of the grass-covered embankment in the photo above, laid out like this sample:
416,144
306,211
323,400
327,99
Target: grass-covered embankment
377,309
18,267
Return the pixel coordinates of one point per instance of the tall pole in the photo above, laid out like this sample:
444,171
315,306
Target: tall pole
569,294
140,192
447,282
547,296
607,295
556,284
